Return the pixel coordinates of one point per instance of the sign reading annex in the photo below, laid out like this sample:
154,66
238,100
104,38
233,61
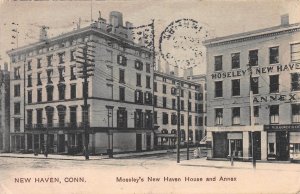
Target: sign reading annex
275,97
256,71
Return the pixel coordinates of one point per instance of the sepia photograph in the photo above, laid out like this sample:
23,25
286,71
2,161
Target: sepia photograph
147,96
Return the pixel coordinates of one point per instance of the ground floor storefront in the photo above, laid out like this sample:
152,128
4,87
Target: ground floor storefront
264,142
104,141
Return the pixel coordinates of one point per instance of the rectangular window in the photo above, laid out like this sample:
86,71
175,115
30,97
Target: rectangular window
72,55
256,114
29,97
148,67
218,63
17,90
61,71
219,116
39,117
236,115
29,65
164,88
49,76
73,116
174,119
49,89
254,85
148,98
190,95
274,114
17,122
39,63
165,118
109,89
122,94
295,52
274,83
139,97
61,91
39,95
235,87
49,60
29,117
200,108
139,65
274,54
121,60
164,102
110,73
218,89
72,73
61,57
182,119
73,91
189,106
295,81
235,60
173,91
17,108
296,113
174,104
17,73
155,117
155,86
122,76
39,79
182,93
190,120
181,105
109,116
155,100
29,80
138,118
122,118
253,57
148,81
138,80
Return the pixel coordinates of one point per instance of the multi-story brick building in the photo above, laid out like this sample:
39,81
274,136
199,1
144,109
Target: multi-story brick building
4,109
165,108
47,99
273,56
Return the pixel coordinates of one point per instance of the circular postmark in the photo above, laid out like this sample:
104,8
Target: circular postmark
180,44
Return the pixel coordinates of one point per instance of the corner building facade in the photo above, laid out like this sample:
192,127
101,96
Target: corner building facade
265,62
48,108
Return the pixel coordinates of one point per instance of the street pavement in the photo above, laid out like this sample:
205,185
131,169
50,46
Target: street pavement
151,173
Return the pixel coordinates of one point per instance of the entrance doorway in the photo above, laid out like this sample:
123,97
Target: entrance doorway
148,141
282,145
220,149
139,142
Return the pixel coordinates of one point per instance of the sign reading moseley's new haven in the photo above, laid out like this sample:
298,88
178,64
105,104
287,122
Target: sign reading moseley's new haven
256,71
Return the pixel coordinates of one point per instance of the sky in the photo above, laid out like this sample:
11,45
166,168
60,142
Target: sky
220,18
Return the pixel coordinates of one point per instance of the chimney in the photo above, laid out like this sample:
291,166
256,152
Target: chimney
176,70
285,20
43,33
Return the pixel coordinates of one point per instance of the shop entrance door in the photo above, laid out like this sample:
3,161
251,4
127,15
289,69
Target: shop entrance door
282,148
236,147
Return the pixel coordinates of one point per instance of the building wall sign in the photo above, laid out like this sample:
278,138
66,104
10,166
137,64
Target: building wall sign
256,71
292,127
276,97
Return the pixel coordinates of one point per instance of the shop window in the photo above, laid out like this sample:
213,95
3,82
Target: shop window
138,80
254,85
236,116
253,58
122,76
122,94
295,52
165,118
271,148
17,90
235,60
219,116
218,63
164,88
274,83
295,82
296,113
164,139
235,87
274,114
164,102
274,55
29,80
218,89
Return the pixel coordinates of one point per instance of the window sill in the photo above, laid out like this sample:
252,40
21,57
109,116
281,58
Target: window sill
219,97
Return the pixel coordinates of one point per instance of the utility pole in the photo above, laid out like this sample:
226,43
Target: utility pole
188,130
178,121
85,63
252,119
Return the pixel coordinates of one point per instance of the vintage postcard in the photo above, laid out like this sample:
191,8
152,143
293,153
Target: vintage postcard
136,96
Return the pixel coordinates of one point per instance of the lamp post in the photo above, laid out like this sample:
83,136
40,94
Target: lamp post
252,119
178,121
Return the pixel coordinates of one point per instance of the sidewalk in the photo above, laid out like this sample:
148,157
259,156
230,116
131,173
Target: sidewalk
260,165
79,157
